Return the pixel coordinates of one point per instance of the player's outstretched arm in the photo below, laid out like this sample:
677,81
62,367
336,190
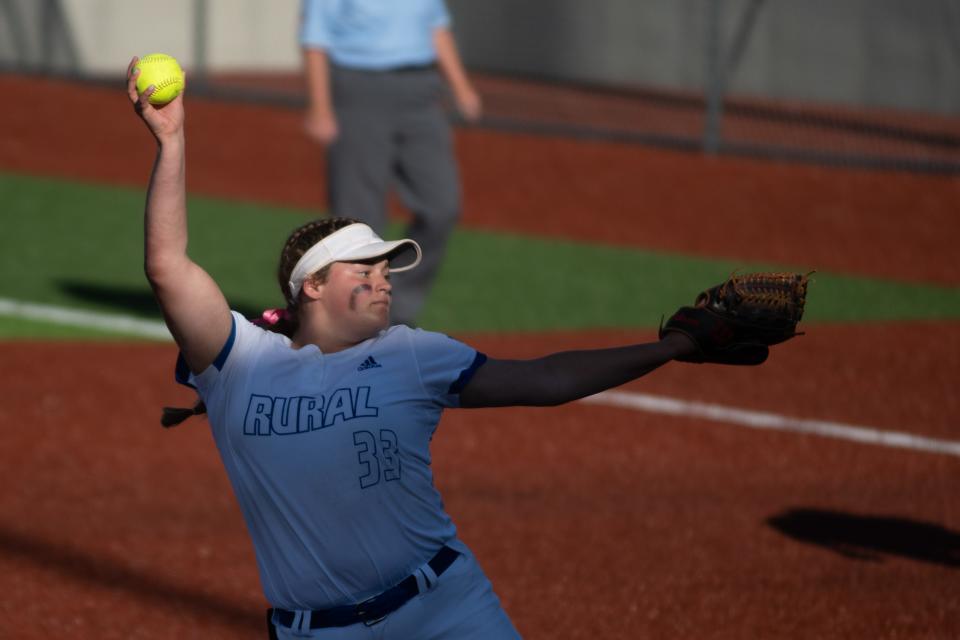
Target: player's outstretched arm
193,306
568,375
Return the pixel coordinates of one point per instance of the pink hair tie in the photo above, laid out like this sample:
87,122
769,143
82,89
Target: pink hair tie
271,317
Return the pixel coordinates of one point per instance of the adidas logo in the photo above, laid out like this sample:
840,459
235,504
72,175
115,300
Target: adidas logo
369,363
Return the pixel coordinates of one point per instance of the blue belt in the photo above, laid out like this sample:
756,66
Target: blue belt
374,609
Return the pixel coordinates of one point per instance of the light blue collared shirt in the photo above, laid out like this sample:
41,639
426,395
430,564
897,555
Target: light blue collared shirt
373,34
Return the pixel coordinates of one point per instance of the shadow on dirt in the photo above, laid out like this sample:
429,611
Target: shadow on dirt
104,572
137,301
870,538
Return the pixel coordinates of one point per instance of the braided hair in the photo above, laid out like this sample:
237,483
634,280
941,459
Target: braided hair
284,321
298,243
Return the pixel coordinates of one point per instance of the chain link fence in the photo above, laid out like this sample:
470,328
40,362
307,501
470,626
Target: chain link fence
868,83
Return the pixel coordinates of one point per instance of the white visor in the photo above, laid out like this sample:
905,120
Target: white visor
350,244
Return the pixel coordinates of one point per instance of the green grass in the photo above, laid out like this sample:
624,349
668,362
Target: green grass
80,246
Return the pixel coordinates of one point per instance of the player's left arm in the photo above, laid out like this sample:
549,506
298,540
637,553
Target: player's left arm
567,375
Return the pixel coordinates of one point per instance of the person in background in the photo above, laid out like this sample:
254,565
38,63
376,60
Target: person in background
375,73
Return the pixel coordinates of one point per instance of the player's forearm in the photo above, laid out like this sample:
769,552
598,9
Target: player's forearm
568,375
448,58
317,71
165,215
573,375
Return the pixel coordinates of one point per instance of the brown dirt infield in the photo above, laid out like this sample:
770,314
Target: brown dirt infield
592,522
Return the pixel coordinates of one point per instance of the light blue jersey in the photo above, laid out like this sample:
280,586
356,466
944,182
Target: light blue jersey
329,456
373,34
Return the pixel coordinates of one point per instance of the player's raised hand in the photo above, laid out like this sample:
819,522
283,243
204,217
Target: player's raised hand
166,121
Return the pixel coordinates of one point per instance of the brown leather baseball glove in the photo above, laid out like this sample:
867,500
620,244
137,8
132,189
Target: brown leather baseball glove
737,321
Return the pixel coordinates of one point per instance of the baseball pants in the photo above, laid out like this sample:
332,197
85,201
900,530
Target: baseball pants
461,605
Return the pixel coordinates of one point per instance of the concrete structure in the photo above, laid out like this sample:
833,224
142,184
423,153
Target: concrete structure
98,37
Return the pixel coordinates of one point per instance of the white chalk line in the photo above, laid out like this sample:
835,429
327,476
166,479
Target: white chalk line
88,319
772,421
623,399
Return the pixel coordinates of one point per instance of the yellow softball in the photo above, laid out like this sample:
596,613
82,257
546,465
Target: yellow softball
163,72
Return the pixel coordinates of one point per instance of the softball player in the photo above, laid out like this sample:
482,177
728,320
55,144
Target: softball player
323,418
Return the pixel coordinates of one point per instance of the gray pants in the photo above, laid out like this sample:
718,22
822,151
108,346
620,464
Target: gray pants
393,133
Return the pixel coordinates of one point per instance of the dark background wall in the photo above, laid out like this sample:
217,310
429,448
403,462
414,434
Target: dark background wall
882,53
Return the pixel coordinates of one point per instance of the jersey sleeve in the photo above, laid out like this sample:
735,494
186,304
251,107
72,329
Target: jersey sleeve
315,24
440,15
244,337
445,365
